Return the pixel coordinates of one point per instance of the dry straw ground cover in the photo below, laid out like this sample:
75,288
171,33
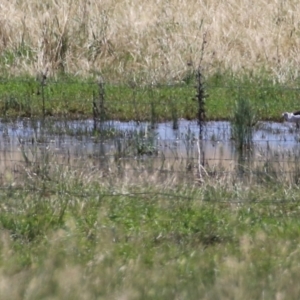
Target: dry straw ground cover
151,41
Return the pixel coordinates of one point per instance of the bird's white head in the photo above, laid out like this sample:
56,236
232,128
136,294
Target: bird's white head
286,116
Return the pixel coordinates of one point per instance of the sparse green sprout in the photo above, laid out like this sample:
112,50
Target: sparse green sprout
242,124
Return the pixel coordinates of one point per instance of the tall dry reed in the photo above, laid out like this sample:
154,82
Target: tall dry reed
152,40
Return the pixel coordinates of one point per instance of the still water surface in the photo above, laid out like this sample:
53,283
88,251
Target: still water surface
130,139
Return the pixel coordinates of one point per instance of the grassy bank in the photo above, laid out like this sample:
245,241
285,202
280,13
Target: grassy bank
135,45
72,97
82,235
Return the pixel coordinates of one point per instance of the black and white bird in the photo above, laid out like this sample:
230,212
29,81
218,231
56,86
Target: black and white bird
293,117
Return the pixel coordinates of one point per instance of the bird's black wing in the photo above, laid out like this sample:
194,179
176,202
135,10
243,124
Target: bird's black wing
296,113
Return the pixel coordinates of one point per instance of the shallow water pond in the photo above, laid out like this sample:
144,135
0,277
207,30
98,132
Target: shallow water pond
70,142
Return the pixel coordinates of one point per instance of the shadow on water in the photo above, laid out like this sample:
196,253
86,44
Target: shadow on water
275,146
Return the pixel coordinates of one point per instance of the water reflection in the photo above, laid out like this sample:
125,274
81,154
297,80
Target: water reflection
75,140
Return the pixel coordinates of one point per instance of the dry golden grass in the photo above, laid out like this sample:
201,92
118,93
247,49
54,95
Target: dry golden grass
153,40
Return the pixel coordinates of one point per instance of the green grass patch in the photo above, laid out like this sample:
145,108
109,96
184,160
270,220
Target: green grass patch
149,242
71,97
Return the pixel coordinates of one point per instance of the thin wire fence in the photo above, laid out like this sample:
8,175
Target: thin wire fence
47,137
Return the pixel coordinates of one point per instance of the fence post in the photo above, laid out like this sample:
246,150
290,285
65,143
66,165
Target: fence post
101,99
99,108
95,112
200,97
42,77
